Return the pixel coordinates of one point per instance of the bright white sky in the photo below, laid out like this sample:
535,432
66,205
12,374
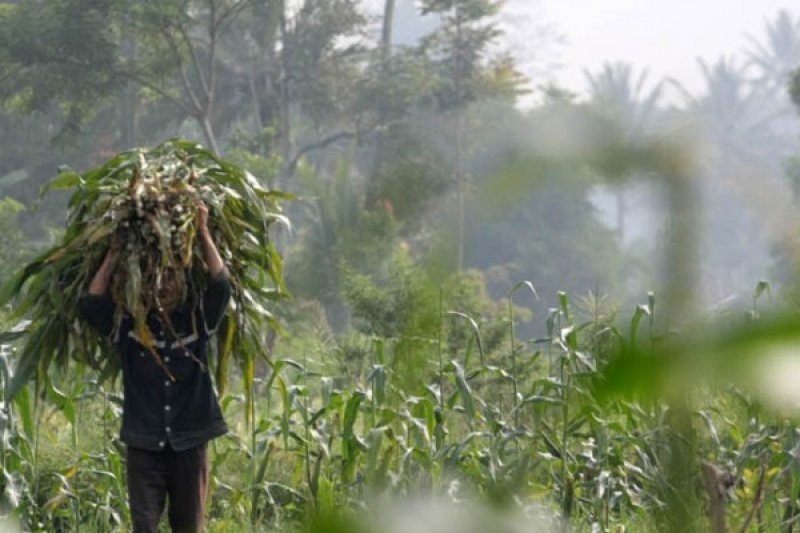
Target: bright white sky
666,36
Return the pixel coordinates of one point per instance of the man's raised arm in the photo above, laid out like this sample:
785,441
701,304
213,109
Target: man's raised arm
213,259
218,291
101,279
96,306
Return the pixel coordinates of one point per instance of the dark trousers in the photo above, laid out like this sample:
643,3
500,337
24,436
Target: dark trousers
155,477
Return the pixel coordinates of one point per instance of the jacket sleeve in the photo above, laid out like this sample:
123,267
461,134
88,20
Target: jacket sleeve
215,302
98,311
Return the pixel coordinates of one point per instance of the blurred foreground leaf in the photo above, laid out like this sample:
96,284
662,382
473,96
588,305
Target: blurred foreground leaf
762,356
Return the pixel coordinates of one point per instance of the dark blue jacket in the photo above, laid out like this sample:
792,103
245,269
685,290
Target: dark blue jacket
157,411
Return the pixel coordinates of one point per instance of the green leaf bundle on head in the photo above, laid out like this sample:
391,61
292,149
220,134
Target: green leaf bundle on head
145,202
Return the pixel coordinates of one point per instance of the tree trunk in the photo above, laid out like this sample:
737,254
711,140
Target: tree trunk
461,188
459,148
130,99
131,135
385,72
621,212
254,101
284,116
208,131
285,138
386,34
717,483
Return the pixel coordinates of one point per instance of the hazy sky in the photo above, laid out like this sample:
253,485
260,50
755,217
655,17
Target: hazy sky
667,36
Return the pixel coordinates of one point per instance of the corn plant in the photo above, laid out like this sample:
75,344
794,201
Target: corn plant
328,444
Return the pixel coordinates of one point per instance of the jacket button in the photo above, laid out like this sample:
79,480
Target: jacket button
169,429
161,444
166,407
166,383
166,359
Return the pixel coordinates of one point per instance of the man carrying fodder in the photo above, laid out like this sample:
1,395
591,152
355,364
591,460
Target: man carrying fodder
170,407
142,260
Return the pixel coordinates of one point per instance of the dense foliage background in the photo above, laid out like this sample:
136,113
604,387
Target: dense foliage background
433,177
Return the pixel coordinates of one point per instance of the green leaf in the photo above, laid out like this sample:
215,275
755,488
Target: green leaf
67,179
286,411
563,302
23,402
524,284
476,331
464,391
226,340
63,402
350,443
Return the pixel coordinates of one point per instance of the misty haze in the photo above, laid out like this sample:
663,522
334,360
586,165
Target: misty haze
400,265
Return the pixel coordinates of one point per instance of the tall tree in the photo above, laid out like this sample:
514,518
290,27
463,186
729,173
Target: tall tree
737,113
45,61
775,58
386,30
80,52
616,91
385,48
183,39
270,60
322,53
742,145
460,48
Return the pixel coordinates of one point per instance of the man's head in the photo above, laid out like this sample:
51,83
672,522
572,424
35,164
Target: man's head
170,289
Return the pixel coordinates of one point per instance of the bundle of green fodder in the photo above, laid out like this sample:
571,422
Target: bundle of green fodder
146,202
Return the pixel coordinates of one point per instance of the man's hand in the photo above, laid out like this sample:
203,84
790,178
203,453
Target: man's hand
99,284
202,218
213,259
